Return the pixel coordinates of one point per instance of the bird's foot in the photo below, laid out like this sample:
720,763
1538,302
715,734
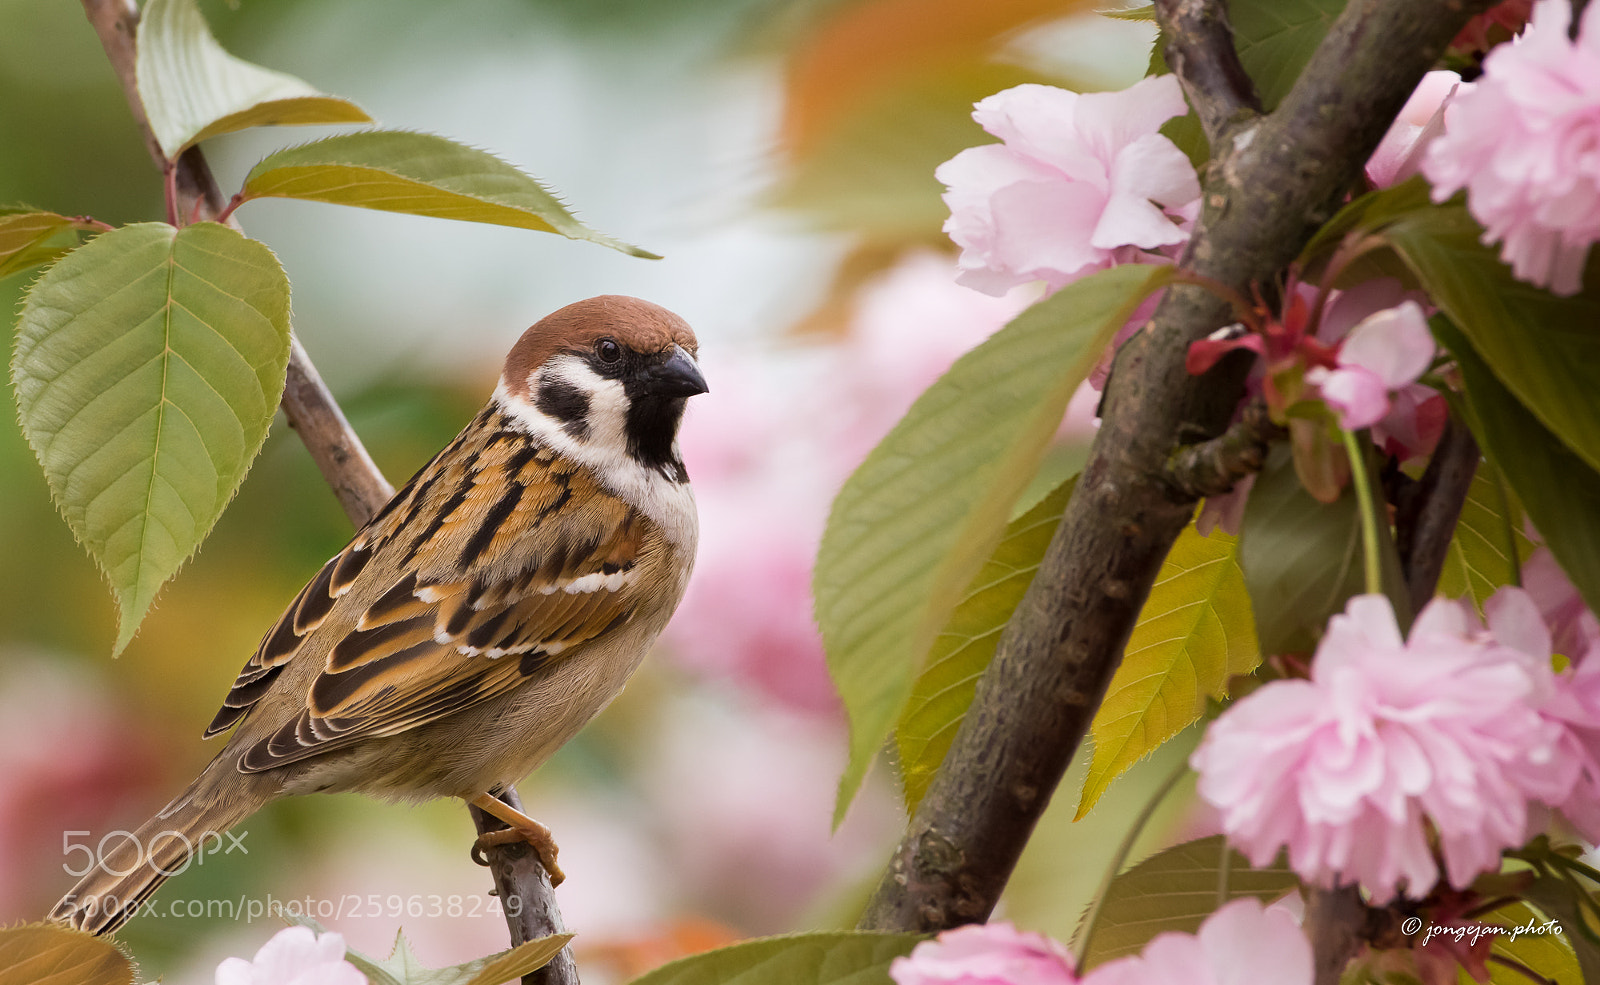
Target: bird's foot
522,828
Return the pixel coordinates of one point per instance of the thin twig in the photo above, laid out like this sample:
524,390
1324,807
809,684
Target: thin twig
1215,466
343,460
1200,51
1335,922
1425,520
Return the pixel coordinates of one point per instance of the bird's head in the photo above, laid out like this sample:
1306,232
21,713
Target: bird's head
610,375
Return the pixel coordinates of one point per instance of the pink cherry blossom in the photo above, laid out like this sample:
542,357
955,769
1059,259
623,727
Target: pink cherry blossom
985,954
1345,768
1573,628
295,956
1080,182
1241,942
1519,620
1421,120
1576,706
1522,143
1387,351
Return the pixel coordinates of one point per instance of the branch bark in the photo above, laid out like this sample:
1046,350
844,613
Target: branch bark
1200,51
1269,186
362,490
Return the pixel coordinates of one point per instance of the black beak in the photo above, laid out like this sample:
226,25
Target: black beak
677,377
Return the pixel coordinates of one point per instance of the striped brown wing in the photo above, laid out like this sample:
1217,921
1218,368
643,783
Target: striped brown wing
497,559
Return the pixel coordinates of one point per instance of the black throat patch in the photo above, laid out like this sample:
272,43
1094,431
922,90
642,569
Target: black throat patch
652,429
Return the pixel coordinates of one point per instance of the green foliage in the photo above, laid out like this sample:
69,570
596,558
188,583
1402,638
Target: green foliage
193,89
915,522
1174,890
799,959
421,174
1571,905
1275,39
1479,559
1195,631
1366,213
1143,12
943,691
1544,349
148,366
1550,954
1560,492
1301,558
45,954
30,238
401,967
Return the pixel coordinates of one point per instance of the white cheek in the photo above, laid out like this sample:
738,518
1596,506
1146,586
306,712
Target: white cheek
605,451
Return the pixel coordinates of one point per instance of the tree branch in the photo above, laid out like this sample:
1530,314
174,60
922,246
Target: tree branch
1199,49
1213,467
1270,185
1335,922
1426,515
343,460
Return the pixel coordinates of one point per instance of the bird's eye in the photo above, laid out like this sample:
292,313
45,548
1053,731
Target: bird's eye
608,350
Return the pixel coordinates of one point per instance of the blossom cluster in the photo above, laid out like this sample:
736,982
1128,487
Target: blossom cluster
1458,729
1241,942
1521,142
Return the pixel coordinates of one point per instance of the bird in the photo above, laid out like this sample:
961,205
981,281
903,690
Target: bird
483,616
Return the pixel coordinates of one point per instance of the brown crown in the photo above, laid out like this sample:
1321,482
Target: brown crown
638,325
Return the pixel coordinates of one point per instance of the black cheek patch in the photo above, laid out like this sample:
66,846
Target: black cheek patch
567,404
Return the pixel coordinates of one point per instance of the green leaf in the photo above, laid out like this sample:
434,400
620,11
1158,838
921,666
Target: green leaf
1195,631
193,89
148,365
45,954
401,967
840,958
1142,12
1301,558
30,238
918,518
1176,890
1560,899
1550,954
511,965
1545,349
1367,213
1275,39
1560,492
420,174
943,691
1478,560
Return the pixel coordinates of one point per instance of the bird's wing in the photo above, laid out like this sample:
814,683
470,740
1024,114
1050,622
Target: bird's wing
493,563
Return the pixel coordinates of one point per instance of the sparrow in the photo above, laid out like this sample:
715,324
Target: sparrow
494,605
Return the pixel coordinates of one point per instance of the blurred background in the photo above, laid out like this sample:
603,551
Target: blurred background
780,155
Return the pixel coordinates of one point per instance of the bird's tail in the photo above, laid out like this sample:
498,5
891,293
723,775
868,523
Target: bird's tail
126,870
